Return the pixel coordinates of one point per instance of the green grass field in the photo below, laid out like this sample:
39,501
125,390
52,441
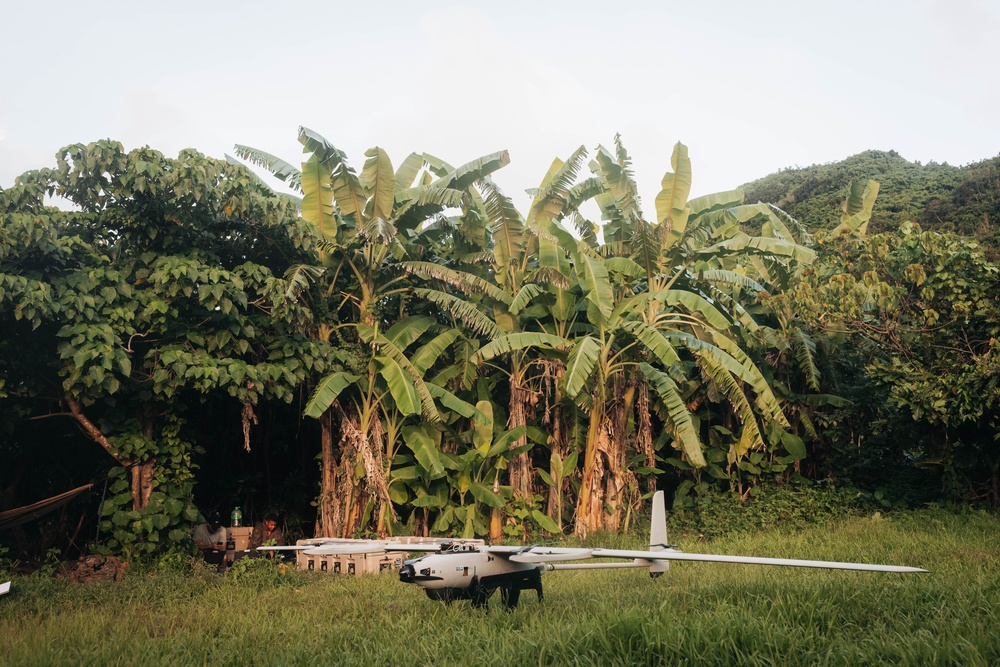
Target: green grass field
698,613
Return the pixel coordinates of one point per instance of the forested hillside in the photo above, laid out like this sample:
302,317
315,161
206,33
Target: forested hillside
964,200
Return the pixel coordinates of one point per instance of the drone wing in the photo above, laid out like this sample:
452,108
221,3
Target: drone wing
672,554
343,547
657,559
644,558
540,554
288,547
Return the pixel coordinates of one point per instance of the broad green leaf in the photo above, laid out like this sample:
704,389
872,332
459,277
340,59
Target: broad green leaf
505,439
327,392
717,201
407,473
425,450
860,199
695,304
580,365
683,425
469,531
317,199
464,176
550,255
404,394
468,283
569,463
654,341
625,266
404,332
671,202
427,501
347,189
546,523
743,244
597,287
552,196
482,429
485,495
280,169
429,353
520,341
412,376
525,295
794,445
407,172
506,226
556,465
464,310
380,182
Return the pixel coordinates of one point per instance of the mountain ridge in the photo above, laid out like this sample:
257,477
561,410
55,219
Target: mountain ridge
964,200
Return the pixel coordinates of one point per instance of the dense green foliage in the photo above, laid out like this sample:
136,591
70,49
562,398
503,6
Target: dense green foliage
122,314
412,353
698,613
918,313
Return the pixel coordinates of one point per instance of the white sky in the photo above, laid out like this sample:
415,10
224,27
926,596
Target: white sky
751,86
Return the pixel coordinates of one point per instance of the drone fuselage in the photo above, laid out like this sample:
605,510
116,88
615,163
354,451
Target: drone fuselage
471,574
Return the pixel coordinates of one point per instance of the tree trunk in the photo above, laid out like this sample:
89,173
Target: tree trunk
553,420
367,440
496,516
141,474
621,485
328,520
644,433
520,469
554,505
590,503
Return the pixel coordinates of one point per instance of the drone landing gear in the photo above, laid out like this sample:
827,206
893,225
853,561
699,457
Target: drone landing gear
481,594
510,590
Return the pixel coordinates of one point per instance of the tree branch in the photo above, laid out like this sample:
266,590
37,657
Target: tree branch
92,430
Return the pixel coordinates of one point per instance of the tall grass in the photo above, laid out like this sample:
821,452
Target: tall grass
699,613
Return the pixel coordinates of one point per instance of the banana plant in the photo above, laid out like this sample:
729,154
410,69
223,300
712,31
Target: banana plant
522,266
646,311
457,487
366,221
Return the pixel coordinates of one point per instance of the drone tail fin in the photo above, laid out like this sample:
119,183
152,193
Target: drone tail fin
658,535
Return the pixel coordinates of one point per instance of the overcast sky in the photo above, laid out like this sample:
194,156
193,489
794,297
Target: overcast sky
750,86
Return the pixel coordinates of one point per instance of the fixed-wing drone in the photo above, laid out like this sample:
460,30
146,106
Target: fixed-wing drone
466,571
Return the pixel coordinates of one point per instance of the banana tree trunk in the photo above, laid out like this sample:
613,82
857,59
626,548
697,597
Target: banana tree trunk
590,502
554,421
621,485
496,516
520,469
559,447
329,520
644,433
365,435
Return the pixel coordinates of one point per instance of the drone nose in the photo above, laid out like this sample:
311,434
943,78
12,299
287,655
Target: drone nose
406,573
